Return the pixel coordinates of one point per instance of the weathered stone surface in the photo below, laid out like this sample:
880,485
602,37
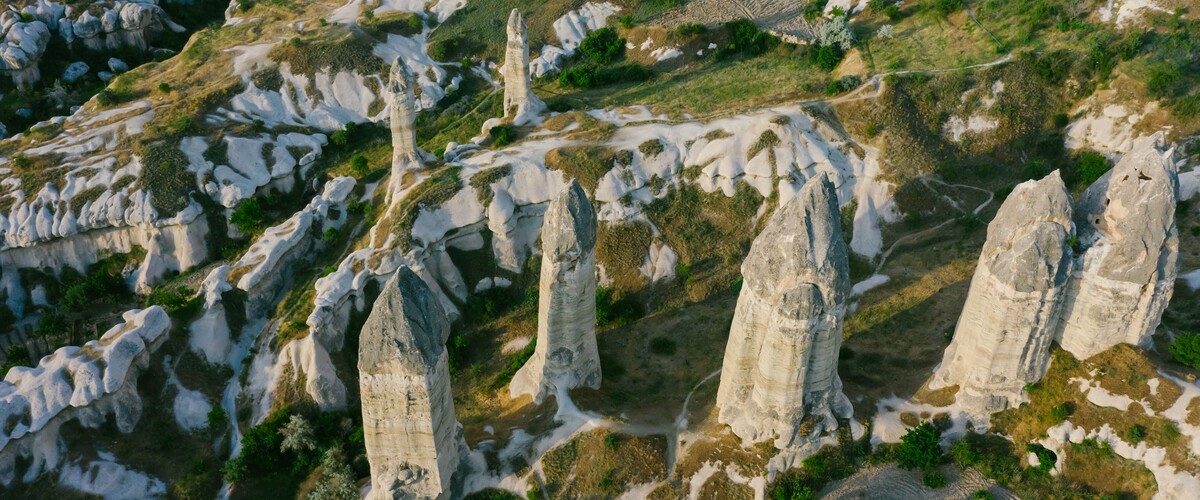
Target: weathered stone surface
1125,277
21,49
414,443
780,364
1002,341
520,103
566,356
403,106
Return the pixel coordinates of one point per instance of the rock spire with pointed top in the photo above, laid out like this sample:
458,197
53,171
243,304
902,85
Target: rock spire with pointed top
520,103
403,104
414,444
1002,341
566,356
781,362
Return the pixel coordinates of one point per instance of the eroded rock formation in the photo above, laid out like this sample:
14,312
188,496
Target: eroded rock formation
414,443
566,356
403,104
85,384
1125,277
1002,341
780,367
520,103
21,48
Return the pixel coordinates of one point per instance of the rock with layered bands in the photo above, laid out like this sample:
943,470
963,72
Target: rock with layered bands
1125,277
1002,341
21,50
780,367
566,356
414,444
403,104
520,103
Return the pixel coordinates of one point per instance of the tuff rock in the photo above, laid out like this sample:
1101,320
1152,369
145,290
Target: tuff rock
780,365
566,356
402,100
520,103
414,444
1002,341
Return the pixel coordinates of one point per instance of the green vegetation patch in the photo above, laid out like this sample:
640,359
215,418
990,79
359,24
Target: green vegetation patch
431,193
586,164
334,49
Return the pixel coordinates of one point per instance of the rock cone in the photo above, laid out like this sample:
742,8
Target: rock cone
414,444
520,103
566,355
781,362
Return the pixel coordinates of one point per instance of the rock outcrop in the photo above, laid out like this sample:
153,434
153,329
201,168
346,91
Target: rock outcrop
566,356
21,49
520,103
85,384
1125,277
780,367
403,104
121,24
1002,341
414,443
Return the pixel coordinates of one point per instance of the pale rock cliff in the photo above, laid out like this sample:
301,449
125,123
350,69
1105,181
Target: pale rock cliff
84,384
1002,341
780,365
414,444
566,355
1125,277
520,103
403,104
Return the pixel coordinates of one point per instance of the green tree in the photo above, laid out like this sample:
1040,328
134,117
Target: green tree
247,216
920,448
603,46
1186,349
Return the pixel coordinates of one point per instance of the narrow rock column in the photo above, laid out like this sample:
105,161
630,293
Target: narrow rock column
566,356
781,362
414,444
1126,276
403,104
520,103
1002,341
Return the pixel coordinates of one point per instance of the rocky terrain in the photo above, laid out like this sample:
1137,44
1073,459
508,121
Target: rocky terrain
584,249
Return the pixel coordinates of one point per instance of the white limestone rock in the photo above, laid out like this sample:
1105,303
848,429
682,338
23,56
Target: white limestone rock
84,384
1125,277
21,49
566,356
403,106
520,104
780,365
414,444
1002,341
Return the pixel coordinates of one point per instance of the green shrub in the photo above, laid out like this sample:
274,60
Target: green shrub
1135,433
1046,458
1060,412
814,9
217,418
1186,349
1161,79
686,30
946,6
662,346
612,441
746,39
615,312
331,235
359,166
502,135
893,12
248,216
933,479
164,87
626,21
603,46
445,50
920,447
1092,166
982,495
173,298
589,76
826,57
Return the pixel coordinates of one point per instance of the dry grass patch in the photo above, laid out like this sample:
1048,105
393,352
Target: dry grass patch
586,164
1106,473
603,463
622,249
720,487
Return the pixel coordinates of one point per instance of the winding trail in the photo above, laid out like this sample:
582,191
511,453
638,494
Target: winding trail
911,236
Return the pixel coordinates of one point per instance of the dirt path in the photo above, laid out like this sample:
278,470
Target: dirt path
893,483
920,234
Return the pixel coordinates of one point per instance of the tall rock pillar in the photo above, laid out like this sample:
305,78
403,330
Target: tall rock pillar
1002,341
781,362
403,104
1126,276
520,103
566,356
414,444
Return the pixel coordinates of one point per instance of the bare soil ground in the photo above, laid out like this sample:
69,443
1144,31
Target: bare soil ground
893,483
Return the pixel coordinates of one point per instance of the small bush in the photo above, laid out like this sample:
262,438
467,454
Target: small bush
933,479
920,447
893,12
248,215
662,346
982,495
1135,433
1046,458
746,39
690,29
164,87
603,46
947,6
1092,166
626,21
826,57
359,166
591,76
612,441
1186,349
1059,413
502,135
217,418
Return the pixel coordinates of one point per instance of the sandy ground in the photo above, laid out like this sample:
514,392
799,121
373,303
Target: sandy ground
782,17
893,483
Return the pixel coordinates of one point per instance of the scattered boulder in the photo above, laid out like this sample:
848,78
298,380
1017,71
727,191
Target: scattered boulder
1002,341
117,65
566,355
75,71
21,49
414,444
780,367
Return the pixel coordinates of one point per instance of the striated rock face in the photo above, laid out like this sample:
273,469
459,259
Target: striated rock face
414,443
1126,276
84,384
566,355
1003,337
21,48
404,137
780,364
520,103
